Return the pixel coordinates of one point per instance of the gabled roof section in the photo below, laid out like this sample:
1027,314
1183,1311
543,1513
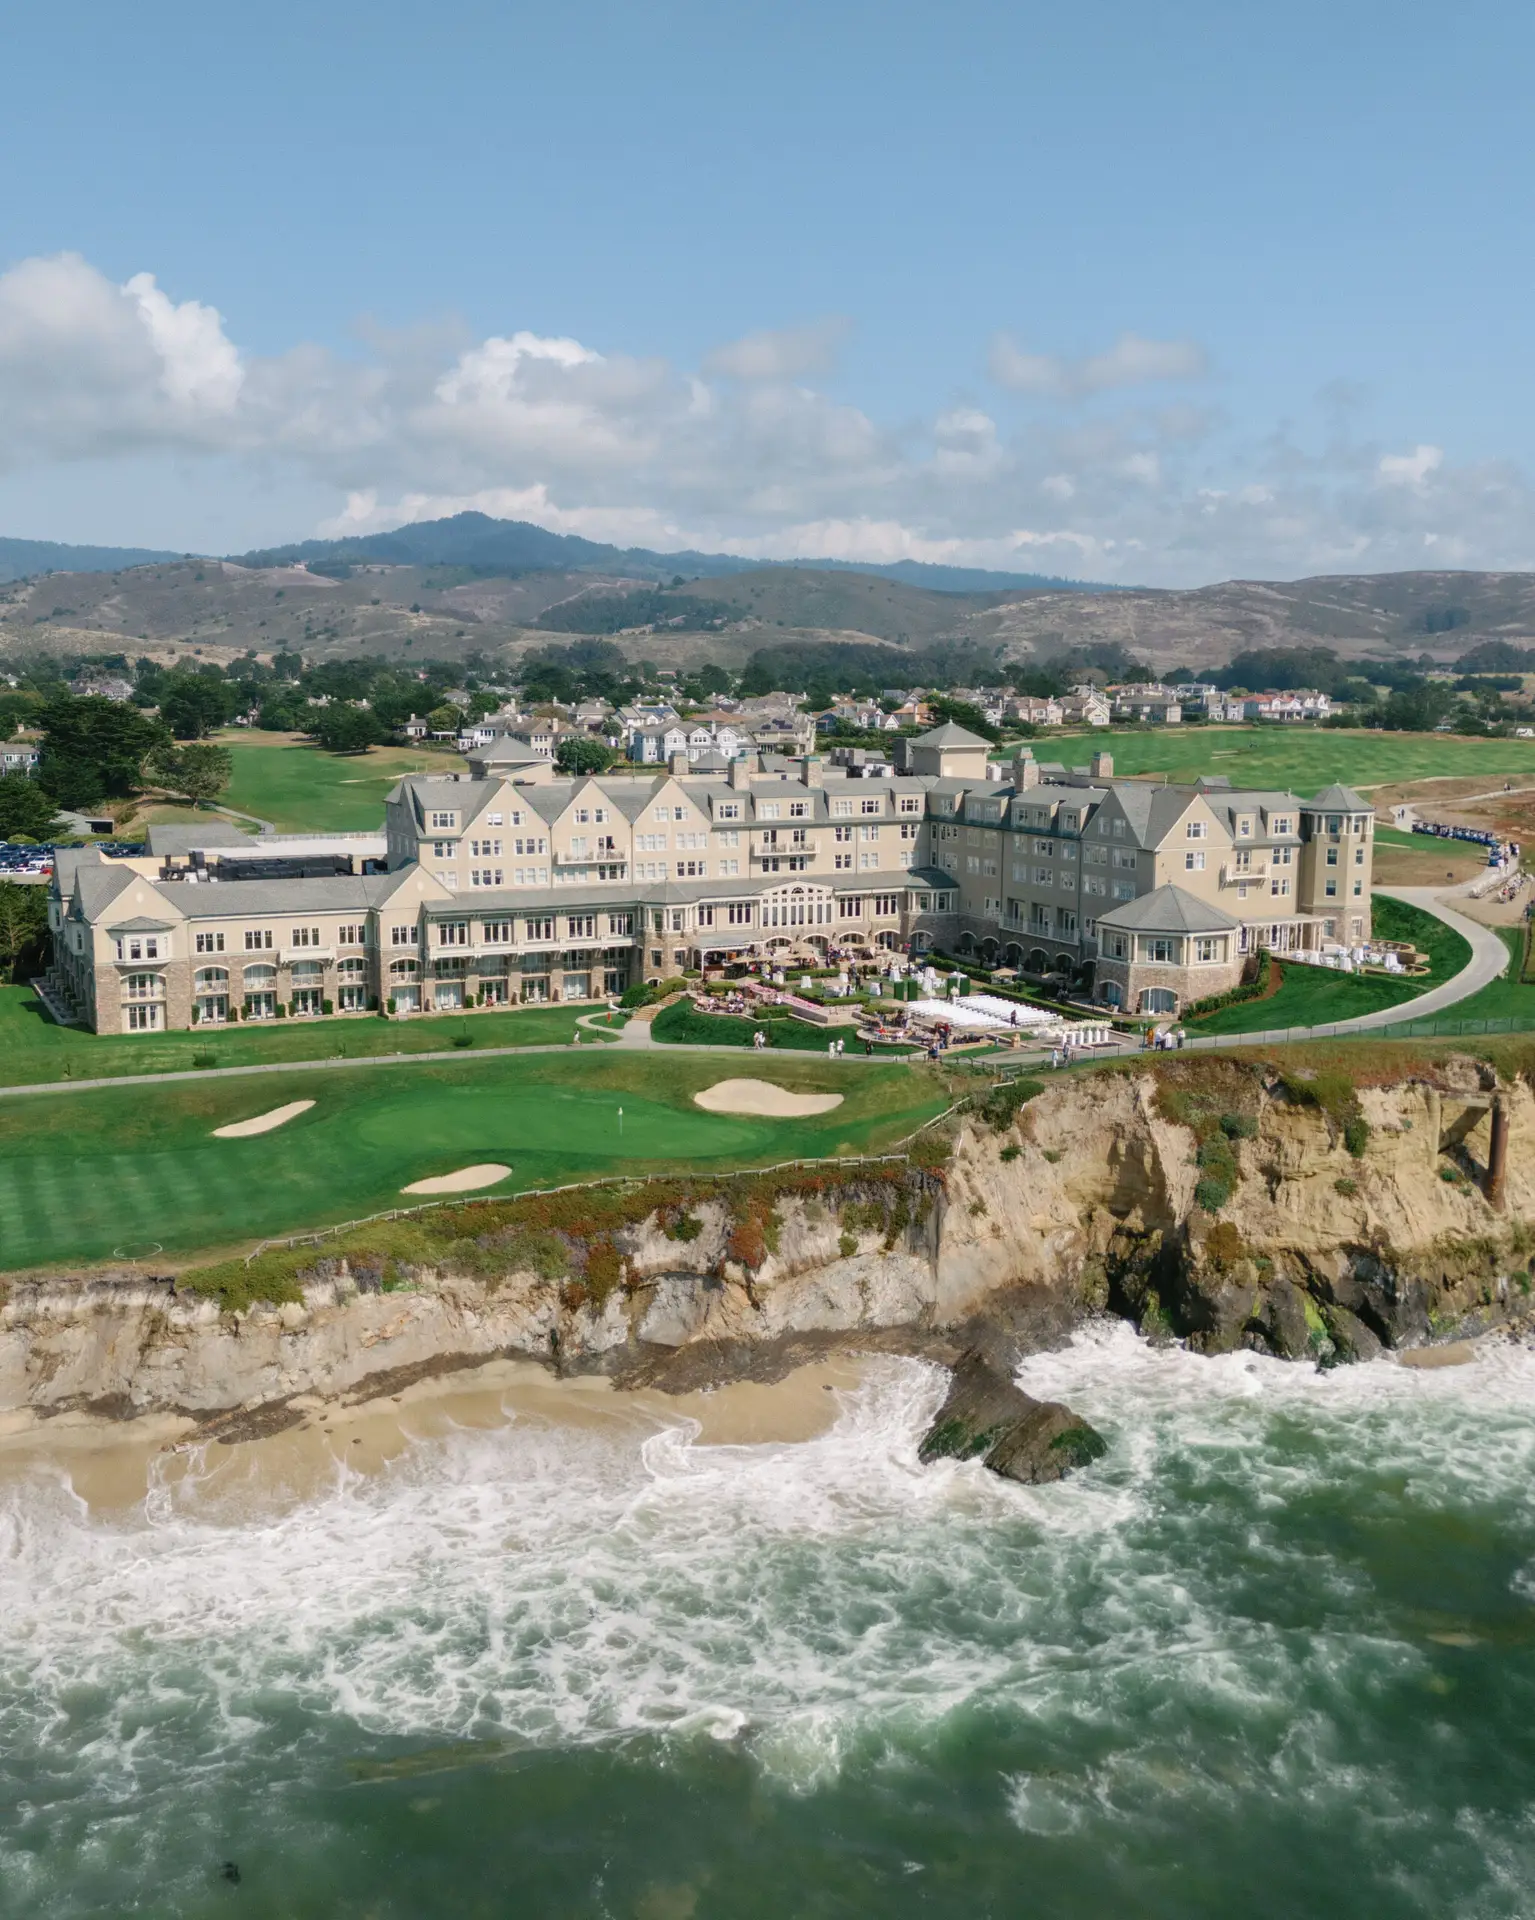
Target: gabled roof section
1340,800
950,734
1169,910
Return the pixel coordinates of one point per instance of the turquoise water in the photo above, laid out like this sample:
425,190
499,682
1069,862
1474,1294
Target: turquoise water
1275,1655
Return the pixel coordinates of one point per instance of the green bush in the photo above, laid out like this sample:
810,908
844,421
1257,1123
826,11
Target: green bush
1356,1135
1001,1105
931,1150
1347,1188
1012,1152
847,1246
1211,1194
1239,1126
1253,989
686,1226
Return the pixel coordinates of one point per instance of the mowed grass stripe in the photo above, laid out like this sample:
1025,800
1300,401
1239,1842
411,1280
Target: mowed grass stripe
84,1173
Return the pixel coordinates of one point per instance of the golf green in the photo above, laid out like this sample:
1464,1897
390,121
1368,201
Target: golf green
84,1175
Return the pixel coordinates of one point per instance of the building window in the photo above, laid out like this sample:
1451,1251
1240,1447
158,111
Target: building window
444,820
453,933
402,936
1198,830
1159,1000
1193,863
210,943
1158,947
258,939
1209,948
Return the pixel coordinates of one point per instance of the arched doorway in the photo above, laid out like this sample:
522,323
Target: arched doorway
1037,960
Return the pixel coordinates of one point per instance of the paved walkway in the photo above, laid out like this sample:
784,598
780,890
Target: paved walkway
1489,959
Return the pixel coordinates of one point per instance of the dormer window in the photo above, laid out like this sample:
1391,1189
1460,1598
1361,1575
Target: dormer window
1284,824
444,820
1245,827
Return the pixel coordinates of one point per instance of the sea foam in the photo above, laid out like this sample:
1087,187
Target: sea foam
825,1604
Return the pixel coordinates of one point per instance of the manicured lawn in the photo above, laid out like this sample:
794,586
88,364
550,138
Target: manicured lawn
1502,999
1313,996
1304,760
128,1167
679,1025
33,1049
278,777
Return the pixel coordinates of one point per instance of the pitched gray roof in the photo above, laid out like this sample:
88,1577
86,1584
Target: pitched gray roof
228,899
1342,800
1169,910
950,735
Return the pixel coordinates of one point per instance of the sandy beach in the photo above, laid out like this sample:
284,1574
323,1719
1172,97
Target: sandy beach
111,1463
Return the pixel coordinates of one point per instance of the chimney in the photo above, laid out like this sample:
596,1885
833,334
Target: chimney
1102,766
1025,771
678,763
810,769
741,771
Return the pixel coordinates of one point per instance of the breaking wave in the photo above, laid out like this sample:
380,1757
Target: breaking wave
1241,1605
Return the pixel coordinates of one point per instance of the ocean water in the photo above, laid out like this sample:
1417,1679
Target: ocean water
1275,1655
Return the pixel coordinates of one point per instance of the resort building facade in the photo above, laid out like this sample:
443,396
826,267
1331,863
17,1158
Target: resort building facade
515,885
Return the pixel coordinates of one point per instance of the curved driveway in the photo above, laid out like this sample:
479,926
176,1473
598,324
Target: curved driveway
1489,958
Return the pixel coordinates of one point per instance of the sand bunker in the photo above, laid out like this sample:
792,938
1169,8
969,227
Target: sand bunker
762,1098
464,1181
263,1122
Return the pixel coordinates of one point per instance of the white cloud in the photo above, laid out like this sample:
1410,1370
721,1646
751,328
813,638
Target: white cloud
790,353
1410,469
199,366
1132,361
86,366
743,454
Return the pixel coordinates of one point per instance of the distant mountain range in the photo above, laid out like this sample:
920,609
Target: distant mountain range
517,546
20,559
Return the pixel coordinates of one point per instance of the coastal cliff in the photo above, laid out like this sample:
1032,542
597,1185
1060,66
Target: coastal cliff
1223,1202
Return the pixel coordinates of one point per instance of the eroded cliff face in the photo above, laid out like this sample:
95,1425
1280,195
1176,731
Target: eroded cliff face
1339,1222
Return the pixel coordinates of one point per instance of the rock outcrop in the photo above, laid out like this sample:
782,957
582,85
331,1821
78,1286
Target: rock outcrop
985,1417
1226,1203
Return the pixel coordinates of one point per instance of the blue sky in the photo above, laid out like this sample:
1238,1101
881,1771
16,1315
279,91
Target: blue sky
1129,292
